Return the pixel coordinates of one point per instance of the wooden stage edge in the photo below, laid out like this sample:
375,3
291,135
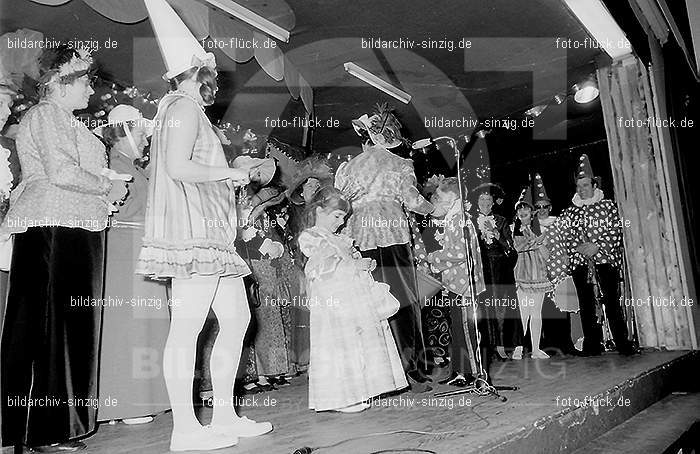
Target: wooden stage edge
573,427
562,404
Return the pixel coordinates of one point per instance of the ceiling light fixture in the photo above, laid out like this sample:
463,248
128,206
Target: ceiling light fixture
535,111
585,92
251,18
421,144
376,82
602,26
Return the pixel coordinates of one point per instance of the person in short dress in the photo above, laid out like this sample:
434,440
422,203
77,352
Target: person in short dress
190,230
531,279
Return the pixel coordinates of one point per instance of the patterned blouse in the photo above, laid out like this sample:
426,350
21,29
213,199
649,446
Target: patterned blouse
451,261
598,223
61,164
380,185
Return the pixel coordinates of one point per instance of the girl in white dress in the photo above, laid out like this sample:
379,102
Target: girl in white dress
353,354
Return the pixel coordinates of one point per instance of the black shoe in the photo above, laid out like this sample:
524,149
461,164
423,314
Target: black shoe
69,446
278,381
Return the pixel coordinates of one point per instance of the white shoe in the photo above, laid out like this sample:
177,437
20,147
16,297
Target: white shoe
141,420
357,408
539,354
501,350
518,353
243,427
203,439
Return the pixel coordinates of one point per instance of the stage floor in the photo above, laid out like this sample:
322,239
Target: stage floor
547,388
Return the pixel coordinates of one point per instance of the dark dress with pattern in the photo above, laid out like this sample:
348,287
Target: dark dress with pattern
498,309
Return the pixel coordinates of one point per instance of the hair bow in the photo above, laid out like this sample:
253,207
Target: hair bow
209,61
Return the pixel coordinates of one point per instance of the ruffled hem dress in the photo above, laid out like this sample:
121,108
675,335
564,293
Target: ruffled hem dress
190,228
353,355
531,269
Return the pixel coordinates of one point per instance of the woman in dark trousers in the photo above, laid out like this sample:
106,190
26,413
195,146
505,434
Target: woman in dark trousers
58,214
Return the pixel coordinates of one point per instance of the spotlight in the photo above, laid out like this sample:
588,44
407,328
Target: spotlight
423,146
422,143
585,92
467,138
535,111
560,98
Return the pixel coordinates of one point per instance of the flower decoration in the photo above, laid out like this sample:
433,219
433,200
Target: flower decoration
5,174
78,64
384,122
487,227
433,183
467,208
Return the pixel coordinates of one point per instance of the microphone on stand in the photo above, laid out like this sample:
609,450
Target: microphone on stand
481,385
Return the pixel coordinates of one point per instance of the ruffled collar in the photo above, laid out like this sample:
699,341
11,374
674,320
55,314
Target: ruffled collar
482,218
6,176
597,197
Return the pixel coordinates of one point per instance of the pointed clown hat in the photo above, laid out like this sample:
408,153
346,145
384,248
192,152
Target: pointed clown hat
525,198
180,49
584,169
539,191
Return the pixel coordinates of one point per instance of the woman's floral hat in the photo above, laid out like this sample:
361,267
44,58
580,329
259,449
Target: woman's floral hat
55,67
383,127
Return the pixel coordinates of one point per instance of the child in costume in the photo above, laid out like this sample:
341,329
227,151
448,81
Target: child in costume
353,354
531,280
455,263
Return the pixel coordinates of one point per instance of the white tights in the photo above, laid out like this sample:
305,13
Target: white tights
192,299
531,311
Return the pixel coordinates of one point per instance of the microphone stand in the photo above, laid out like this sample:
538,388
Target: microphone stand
481,385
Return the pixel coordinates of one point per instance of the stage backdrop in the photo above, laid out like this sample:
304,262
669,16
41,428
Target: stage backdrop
660,293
